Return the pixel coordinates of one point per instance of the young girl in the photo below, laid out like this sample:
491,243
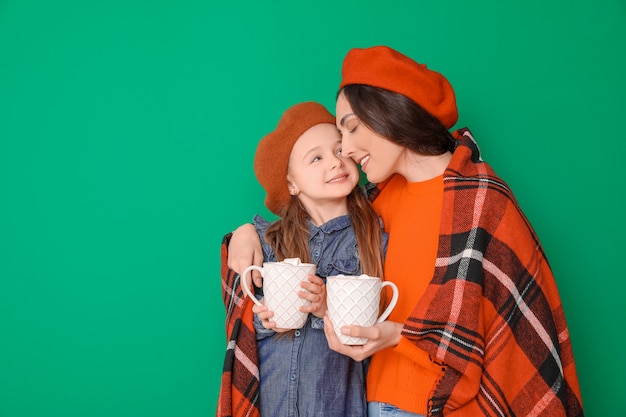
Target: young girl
325,219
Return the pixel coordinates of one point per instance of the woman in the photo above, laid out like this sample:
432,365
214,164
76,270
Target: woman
479,328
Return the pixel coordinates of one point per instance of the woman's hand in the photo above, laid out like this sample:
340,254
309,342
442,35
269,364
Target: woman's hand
379,336
265,316
244,250
316,294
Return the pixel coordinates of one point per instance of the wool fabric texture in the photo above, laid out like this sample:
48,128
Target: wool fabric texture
491,315
272,154
240,385
383,67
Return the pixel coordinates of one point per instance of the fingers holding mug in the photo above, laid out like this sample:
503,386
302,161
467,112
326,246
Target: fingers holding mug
315,293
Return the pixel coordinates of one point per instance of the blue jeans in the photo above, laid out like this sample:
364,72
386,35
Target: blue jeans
376,409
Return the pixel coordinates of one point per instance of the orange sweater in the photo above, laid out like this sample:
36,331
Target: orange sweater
404,376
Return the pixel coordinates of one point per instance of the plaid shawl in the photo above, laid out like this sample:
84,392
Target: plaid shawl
239,391
492,314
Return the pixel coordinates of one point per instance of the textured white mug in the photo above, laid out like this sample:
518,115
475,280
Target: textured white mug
281,283
355,300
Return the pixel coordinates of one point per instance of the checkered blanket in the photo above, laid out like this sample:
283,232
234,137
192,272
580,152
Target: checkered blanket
492,315
239,391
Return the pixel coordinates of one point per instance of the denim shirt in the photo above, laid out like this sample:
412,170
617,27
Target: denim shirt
300,375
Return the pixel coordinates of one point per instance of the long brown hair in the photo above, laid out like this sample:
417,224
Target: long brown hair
289,236
399,119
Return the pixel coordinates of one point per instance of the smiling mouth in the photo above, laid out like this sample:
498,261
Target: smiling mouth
364,160
338,179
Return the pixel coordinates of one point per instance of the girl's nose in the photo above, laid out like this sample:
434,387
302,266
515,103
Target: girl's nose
337,162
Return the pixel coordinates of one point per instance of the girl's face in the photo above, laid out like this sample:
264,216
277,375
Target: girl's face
318,172
378,156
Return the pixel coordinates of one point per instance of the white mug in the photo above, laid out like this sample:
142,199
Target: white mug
281,283
355,300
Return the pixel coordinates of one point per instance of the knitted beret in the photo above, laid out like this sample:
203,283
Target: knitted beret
272,153
383,67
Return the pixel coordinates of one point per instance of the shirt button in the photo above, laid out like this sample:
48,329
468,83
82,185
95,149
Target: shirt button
297,333
316,253
293,377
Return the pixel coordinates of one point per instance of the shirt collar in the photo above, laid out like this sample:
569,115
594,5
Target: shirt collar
334,225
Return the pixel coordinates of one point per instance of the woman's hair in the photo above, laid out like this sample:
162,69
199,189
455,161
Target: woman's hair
289,236
399,119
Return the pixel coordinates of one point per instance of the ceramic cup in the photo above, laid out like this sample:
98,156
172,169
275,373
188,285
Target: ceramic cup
281,283
355,300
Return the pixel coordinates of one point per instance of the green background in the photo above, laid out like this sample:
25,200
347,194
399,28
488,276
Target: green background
127,131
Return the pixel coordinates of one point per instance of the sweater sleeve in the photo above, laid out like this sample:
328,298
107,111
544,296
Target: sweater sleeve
417,355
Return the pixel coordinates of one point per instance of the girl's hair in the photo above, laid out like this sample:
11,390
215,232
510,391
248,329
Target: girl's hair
289,236
399,119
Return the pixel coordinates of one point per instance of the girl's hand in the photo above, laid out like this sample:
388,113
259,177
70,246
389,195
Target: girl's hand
244,250
265,316
379,336
316,294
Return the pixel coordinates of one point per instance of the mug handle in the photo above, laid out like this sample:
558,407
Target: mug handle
392,304
246,285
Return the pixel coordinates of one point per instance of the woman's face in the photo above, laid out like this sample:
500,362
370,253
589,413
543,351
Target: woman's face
379,157
318,171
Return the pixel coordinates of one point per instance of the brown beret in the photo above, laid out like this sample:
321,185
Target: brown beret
272,154
383,67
